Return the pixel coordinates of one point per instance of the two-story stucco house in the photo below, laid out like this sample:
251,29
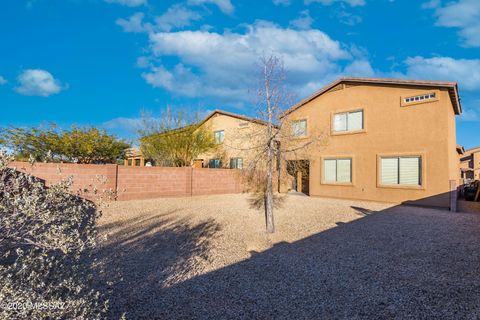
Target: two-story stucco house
235,135
390,140
470,164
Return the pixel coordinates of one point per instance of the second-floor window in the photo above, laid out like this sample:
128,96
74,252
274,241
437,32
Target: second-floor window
348,121
219,136
299,128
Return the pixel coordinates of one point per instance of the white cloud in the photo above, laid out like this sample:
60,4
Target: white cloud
2,81
353,3
132,24
225,6
303,22
129,124
348,18
464,71
143,62
359,68
284,3
36,82
469,115
176,16
128,3
222,65
462,14
432,4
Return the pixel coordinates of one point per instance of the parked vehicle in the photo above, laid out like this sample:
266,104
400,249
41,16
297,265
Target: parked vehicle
470,191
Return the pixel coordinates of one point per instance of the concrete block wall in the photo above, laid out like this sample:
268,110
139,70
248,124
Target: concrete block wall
137,182
85,176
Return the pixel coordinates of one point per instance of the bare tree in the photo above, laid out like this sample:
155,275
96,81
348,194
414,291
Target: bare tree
278,141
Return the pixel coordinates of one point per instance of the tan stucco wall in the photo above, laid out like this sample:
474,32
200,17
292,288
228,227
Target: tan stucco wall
425,129
237,141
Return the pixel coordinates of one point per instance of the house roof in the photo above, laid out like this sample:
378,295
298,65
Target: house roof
234,115
451,86
473,150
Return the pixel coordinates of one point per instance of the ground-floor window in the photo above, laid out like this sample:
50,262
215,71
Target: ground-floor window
401,171
337,170
236,163
214,163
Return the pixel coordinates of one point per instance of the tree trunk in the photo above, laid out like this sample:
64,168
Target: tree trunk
269,194
270,155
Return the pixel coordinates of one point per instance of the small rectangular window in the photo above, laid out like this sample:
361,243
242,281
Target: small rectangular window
421,97
348,121
236,163
299,128
219,136
337,170
404,171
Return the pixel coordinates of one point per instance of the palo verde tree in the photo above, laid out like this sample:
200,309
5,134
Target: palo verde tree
81,145
175,138
281,140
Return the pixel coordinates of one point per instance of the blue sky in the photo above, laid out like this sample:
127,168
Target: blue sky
100,62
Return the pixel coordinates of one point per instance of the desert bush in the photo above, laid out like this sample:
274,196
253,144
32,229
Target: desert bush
47,237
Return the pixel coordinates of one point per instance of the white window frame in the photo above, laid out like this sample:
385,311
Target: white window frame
336,159
398,158
420,98
217,139
347,129
295,122
235,160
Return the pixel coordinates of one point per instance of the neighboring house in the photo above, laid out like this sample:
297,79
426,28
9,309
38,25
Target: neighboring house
390,140
134,158
470,164
235,134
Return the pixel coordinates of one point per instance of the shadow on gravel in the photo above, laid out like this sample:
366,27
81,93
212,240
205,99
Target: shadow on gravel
147,256
402,262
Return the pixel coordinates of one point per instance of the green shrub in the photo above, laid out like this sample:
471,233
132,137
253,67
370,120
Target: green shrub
47,237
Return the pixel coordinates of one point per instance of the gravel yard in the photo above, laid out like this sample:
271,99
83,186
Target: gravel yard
209,258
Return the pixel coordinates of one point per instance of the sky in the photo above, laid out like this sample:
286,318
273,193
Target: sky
104,62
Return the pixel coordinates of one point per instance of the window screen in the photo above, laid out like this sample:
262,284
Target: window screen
219,136
401,171
299,128
337,170
348,121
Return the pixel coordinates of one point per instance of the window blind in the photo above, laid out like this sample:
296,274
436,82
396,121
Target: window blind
344,170
410,171
330,170
389,170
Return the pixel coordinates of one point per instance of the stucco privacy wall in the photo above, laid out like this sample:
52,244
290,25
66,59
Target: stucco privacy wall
137,182
426,129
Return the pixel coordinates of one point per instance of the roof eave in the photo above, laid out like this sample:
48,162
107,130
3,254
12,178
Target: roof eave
422,83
